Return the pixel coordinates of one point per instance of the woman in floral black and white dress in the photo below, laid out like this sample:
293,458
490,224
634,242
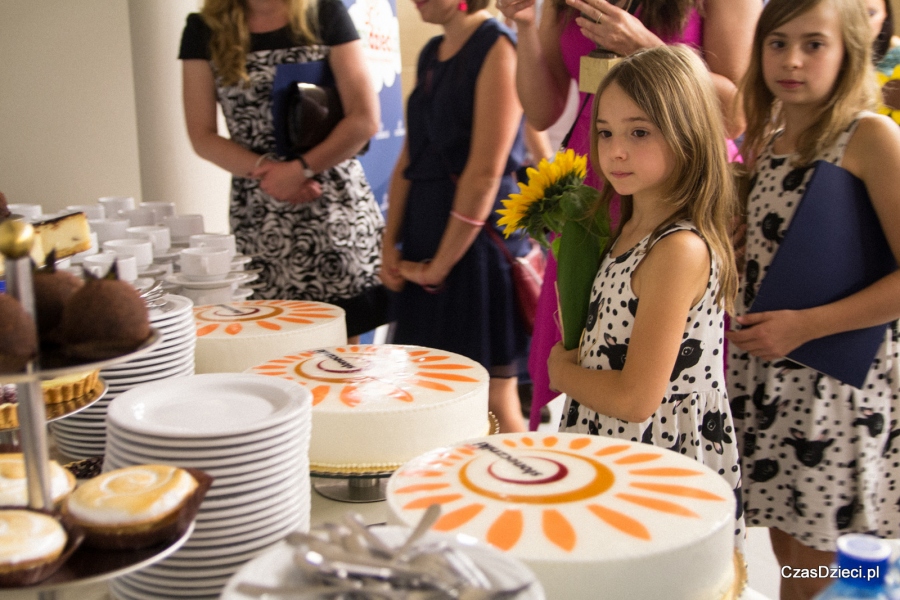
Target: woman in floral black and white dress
312,224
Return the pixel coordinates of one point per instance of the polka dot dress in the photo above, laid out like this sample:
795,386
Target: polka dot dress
693,418
819,458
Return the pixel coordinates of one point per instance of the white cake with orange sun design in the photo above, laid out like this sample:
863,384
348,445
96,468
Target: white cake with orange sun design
235,336
593,517
377,406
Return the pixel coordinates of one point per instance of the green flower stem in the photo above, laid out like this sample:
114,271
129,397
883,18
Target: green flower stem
578,260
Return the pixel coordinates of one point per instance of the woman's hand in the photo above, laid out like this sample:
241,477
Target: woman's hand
390,267
559,358
612,28
522,12
424,274
285,181
771,335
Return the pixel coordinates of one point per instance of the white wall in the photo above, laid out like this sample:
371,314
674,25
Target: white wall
68,132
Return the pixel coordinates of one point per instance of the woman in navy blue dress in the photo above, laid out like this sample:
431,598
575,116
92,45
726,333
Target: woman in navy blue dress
464,144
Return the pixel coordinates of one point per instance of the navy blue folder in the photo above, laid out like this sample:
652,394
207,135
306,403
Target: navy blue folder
316,72
833,248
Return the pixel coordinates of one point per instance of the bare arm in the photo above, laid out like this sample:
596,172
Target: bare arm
542,80
397,194
494,127
199,97
670,279
874,147
727,44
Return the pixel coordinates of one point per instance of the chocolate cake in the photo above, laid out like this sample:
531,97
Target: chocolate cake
52,290
18,336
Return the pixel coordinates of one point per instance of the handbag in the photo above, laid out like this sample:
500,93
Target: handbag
313,111
527,276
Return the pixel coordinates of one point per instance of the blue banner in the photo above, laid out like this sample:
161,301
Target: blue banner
378,27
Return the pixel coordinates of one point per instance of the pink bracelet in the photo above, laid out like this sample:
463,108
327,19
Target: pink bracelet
467,220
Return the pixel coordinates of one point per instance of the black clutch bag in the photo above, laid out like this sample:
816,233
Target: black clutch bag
312,112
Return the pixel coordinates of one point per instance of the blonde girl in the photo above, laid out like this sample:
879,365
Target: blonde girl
817,456
660,294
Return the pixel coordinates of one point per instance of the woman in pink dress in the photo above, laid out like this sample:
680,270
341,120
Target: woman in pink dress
549,55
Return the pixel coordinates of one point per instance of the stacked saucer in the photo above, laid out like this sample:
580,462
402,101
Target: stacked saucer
251,434
83,435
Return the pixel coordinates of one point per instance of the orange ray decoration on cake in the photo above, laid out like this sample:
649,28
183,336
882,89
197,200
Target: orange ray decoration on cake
556,481
232,319
576,506
377,406
361,374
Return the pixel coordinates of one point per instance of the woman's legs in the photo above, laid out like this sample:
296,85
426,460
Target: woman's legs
791,553
503,401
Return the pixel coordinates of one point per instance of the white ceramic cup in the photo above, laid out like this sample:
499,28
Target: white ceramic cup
31,212
100,264
91,211
217,295
182,227
204,264
140,249
113,204
139,216
109,229
214,240
160,209
157,234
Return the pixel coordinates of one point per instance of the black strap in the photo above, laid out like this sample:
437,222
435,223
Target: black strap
492,233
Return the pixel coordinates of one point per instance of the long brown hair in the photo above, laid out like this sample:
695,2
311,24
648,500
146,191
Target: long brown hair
673,87
230,41
853,91
664,16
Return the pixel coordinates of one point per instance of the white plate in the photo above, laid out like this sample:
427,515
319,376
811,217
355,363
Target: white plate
286,441
192,573
153,373
206,534
239,261
233,465
122,590
295,424
169,355
174,307
232,277
244,556
165,585
286,500
180,358
209,405
275,567
225,496
233,547
241,294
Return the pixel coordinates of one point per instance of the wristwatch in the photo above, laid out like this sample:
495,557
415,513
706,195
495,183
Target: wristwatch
307,172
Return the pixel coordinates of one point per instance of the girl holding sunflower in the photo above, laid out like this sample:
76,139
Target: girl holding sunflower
668,274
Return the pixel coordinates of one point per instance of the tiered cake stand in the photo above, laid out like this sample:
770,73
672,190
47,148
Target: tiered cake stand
85,566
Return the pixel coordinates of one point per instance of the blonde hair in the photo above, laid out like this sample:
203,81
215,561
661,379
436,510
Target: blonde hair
854,89
230,40
673,87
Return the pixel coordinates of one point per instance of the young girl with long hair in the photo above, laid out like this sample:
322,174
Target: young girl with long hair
817,455
649,367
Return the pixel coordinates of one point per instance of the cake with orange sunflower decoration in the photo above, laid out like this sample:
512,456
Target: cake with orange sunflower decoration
593,517
377,406
235,336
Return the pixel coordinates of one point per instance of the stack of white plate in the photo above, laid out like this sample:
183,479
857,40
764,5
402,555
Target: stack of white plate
83,435
251,434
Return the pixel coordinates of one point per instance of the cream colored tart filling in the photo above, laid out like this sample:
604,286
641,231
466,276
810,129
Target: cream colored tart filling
13,485
131,495
29,536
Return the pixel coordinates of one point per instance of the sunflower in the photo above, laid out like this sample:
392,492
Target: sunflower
537,208
890,94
